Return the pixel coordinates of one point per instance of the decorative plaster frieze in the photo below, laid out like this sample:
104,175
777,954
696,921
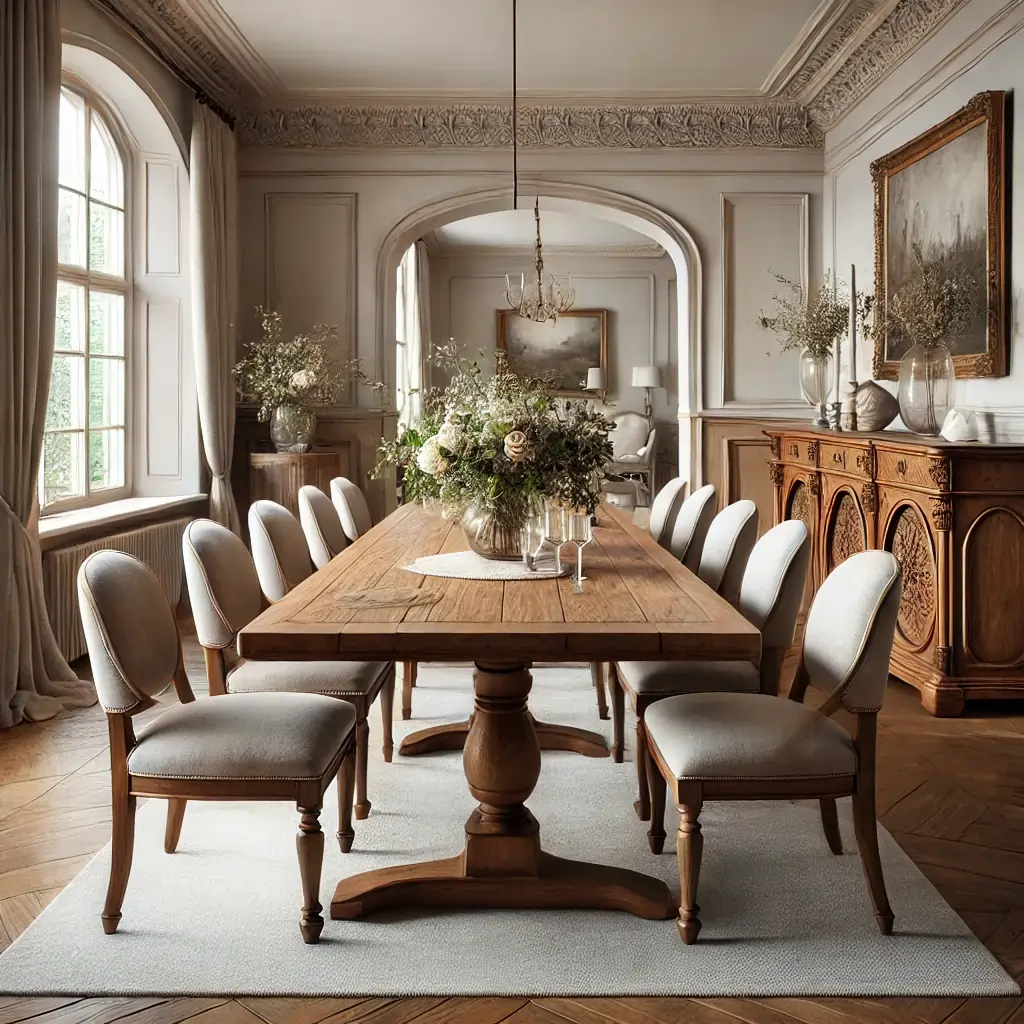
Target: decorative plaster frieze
678,126
907,26
651,251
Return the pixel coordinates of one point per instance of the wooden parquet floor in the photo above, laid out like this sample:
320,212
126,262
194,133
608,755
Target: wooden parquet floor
950,790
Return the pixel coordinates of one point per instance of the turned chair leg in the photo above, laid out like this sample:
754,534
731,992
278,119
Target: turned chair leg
309,844
346,786
657,786
642,805
362,743
175,816
408,682
689,849
597,674
387,705
618,696
830,823
122,843
866,830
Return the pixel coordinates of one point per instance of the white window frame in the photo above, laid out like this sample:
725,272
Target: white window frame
89,279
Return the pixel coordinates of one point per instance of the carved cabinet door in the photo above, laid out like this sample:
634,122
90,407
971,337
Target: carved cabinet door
800,495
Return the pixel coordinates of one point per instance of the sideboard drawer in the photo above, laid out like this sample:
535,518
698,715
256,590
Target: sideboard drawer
896,467
796,451
846,459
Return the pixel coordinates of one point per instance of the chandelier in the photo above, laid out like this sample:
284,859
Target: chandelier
545,296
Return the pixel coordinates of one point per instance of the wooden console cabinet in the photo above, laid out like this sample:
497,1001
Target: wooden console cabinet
279,475
953,514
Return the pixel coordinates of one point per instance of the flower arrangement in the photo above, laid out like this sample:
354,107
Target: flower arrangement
809,322
499,445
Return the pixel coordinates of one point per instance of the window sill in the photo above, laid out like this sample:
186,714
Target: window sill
63,528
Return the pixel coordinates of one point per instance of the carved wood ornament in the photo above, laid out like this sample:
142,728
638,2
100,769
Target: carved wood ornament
846,536
775,471
909,542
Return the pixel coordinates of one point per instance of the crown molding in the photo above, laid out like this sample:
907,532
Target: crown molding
441,251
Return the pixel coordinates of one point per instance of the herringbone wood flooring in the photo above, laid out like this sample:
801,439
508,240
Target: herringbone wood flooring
950,790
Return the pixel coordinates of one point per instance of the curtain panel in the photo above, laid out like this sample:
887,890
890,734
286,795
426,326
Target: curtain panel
35,680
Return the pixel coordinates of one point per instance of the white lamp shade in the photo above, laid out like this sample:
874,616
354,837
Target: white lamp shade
646,377
595,379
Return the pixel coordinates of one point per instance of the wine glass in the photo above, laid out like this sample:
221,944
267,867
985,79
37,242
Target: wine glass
531,539
580,533
555,527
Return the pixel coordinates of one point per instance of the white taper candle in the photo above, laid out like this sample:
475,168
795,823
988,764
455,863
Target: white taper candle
853,321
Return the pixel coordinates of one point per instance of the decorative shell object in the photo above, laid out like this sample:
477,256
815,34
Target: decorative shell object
959,427
876,407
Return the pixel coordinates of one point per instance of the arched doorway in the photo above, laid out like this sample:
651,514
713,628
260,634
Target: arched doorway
589,201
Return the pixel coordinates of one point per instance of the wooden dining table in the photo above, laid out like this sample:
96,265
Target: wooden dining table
638,603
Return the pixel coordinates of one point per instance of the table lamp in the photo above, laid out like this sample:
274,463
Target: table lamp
595,379
648,378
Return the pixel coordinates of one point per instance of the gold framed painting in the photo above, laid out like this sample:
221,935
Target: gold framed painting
562,349
946,192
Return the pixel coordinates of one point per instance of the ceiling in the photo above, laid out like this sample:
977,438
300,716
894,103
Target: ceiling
664,48
517,228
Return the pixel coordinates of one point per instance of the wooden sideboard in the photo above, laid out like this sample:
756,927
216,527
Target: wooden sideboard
278,476
953,514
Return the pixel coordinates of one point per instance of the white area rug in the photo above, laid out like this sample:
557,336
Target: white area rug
782,916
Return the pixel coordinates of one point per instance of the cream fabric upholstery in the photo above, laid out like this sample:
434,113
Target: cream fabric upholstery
851,626
727,546
665,508
353,511
630,433
644,677
691,526
320,523
222,582
278,549
335,678
774,580
704,736
129,630
245,736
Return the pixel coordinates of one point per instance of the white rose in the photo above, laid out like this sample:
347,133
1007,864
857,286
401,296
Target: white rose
430,459
450,435
517,446
301,380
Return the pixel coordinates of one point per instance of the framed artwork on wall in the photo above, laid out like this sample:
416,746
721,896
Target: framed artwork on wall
563,349
945,191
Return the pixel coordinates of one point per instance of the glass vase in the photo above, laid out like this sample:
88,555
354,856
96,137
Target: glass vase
292,428
490,537
926,388
816,382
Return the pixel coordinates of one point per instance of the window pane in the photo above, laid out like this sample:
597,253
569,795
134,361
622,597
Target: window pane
67,390
106,174
62,471
70,317
106,393
106,240
71,229
106,459
106,323
72,140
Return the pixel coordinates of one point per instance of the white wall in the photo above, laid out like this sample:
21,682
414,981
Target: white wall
980,47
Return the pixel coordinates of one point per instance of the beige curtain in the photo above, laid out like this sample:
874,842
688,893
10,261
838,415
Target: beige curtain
213,174
35,680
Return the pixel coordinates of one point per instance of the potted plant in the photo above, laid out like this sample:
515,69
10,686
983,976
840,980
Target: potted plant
490,450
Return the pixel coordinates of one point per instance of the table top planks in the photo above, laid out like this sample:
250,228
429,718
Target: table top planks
638,602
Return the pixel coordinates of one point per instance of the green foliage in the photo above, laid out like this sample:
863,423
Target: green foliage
501,443
811,323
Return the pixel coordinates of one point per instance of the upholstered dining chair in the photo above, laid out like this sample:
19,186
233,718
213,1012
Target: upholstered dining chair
727,546
753,746
225,596
258,746
686,540
279,549
320,523
664,509
354,514
769,598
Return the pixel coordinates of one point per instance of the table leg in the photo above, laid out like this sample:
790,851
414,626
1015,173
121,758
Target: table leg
502,864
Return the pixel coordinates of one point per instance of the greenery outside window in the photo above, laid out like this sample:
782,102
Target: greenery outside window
85,458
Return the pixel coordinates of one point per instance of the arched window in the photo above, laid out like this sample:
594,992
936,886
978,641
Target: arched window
84,453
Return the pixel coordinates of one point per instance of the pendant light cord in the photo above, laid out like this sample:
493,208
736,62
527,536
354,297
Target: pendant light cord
515,117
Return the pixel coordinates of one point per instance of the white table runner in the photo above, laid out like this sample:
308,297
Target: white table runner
468,565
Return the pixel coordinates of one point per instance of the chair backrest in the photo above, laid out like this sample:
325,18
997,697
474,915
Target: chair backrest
353,511
129,629
851,627
320,523
222,583
278,549
629,434
773,583
665,508
727,546
691,526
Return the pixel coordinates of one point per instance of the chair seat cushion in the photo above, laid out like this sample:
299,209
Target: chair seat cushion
335,678
703,736
642,677
288,736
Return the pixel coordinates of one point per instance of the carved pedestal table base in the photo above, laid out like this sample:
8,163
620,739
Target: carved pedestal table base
550,736
502,864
